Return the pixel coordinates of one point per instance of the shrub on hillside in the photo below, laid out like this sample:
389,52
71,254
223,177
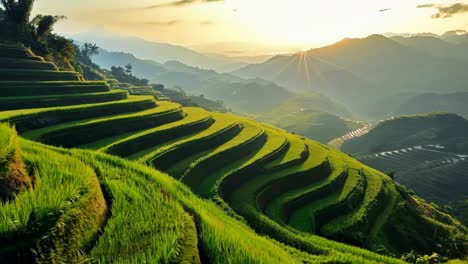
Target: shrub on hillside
13,176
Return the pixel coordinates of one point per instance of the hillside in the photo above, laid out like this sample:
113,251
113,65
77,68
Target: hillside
430,170
448,130
426,153
269,193
319,126
351,68
311,115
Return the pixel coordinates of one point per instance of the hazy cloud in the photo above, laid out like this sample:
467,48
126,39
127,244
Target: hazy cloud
426,5
206,22
384,10
446,11
180,3
163,23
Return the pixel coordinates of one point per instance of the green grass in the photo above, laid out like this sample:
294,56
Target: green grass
297,150
279,208
222,238
27,119
195,121
38,75
196,171
392,195
62,183
54,83
29,102
7,142
251,188
16,52
305,217
68,134
222,124
8,63
16,90
236,163
138,193
13,176
244,202
374,192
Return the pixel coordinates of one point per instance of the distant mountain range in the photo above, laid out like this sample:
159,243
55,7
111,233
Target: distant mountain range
453,36
373,77
160,52
239,94
361,73
436,46
424,103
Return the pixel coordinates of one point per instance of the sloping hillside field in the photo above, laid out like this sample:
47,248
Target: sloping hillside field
184,185
431,171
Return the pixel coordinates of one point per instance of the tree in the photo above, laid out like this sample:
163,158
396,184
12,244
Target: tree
43,25
123,76
117,71
158,86
17,15
90,50
128,68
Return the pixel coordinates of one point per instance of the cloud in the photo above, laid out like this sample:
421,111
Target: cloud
446,11
384,10
426,5
207,22
180,3
163,23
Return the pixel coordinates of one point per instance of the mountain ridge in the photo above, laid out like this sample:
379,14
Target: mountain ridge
157,51
353,67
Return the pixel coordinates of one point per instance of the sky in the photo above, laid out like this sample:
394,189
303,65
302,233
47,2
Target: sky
239,27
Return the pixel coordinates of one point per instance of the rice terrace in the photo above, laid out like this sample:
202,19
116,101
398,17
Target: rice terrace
107,165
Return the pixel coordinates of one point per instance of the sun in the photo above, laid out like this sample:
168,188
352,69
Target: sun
308,23
296,22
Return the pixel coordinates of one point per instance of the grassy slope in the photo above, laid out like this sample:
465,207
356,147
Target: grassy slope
38,133
139,193
222,122
434,174
110,145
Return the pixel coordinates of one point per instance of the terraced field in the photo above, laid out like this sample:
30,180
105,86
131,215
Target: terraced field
236,191
338,142
431,171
